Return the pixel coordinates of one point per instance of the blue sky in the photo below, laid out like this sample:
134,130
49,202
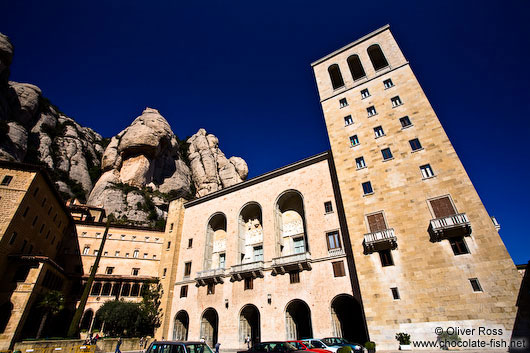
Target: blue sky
241,70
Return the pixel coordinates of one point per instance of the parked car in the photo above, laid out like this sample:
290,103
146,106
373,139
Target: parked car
318,343
306,346
178,347
273,346
339,342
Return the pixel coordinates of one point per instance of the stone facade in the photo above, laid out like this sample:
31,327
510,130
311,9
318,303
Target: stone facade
434,285
34,226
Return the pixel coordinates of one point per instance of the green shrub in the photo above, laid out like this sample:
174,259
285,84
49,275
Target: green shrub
369,345
403,338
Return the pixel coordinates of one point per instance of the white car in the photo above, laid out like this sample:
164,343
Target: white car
317,343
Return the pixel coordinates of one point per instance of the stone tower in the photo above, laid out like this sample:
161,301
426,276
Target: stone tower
426,251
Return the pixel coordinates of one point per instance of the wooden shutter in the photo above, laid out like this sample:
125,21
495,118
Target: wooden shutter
442,207
338,269
376,222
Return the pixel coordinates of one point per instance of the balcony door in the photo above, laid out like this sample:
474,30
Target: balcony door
442,207
376,222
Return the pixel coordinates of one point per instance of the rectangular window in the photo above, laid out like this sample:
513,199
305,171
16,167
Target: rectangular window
367,188
96,252
333,240
376,222
426,171
109,270
168,245
387,154
25,212
475,285
405,122
396,101
343,102
359,162
378,131
164,272
415,144
395,293
154,256
386,258
183,291
258,253
41,228
35,192
210,289
442,207
23,245
105,253
459,246
136,253
190,243
249,283
294,277
187,269
371,111
7,179
13,237
354,140
328,207
338,269
126,254
222,260
145,255
34,221
171,227
388,83
348,120
43,202
365,93
117,253
299,246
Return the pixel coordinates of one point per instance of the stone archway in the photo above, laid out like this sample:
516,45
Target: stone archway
249,325
86,321
180,328
347,319
210,326
298,320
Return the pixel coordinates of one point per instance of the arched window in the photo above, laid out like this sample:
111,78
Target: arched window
250,242
215,251
336,76
356,68
377,57
290,224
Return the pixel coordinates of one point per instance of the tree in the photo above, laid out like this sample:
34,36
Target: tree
51,303
150,307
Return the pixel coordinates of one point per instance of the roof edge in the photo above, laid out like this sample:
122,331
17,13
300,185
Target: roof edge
348,46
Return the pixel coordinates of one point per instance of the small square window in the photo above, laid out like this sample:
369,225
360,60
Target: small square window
183,291
415,144
395,293
328,207
338,269
475,285
126,254
145,255
348,120
343,102
135,271
459,246
354,140
117,253
187,269
386,258
367,188
388,83
387,154
105,253
359,162
294,277
365,93
109,270
396,101
371,111
210,289
426,171
190,243
96,252
249,283
7,179
378,131
222,260
405,122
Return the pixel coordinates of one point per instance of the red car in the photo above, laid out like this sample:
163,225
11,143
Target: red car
306,346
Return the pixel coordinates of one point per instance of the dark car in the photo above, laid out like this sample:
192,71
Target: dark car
273,346
178,347
340,342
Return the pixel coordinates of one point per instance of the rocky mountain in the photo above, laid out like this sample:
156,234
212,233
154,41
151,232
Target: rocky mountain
33,130
133,175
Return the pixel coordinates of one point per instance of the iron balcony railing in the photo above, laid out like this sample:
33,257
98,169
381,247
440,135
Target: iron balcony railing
450,226
380,240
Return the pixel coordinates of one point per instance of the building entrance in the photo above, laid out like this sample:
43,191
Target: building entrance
298,320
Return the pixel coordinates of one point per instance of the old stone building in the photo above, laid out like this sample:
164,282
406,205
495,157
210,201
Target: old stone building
384,233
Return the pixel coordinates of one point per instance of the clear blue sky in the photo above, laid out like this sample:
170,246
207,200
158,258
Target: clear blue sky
241,70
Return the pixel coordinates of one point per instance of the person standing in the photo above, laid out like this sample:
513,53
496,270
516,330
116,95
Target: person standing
217,345
247,340
118,344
